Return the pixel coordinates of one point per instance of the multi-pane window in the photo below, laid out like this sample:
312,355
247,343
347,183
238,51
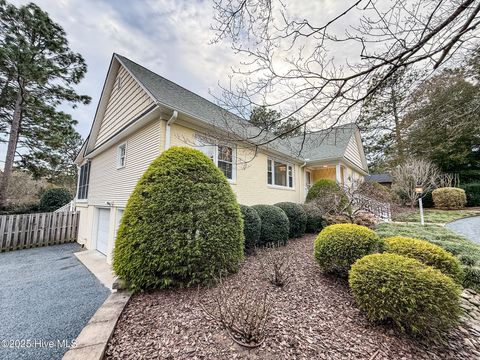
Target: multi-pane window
222,155
121,155
83,180
279,173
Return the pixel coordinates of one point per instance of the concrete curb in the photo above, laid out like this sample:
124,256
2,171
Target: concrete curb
92,341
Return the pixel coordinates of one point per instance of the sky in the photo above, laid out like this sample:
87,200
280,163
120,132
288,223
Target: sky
170,37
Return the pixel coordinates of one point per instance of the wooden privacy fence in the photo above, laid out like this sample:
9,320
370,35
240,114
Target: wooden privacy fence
31,230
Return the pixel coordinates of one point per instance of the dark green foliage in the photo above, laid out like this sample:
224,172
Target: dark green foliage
321,188
417,298
269,120
427,253
467,260
338,246
296,216
252,226
55,198
315,222
427,200
275,225
471,277
182,224
473,194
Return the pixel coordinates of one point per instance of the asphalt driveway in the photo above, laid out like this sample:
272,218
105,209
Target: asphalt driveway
468,227
46,297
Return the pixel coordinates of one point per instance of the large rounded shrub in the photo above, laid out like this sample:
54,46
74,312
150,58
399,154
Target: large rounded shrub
337,247
296,216
427,253
315,220
449,198
275,225
182,224
416,297
55,198
252,225
322,187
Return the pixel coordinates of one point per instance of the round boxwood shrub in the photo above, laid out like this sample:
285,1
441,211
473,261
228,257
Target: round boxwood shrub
416,297
315,221
322,187
427,253
449,198
338,246
275,225
252,225
55,198
181,226
296,216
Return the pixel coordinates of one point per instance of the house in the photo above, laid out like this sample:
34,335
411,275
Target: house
140,114
383,179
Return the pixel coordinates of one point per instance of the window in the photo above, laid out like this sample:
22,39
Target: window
83,180
279,173
121,155
222,155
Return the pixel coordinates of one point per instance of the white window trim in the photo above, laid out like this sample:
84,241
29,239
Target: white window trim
200,141
289,165
124,157
77,199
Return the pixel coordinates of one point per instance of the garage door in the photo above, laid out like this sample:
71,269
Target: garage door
103,230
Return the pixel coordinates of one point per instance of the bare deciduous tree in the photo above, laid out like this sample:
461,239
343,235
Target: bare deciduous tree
413,173
290,63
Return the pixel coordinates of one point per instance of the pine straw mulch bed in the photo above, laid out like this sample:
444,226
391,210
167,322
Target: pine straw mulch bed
313,317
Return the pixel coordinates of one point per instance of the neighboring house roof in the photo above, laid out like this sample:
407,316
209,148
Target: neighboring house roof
316,146
380,178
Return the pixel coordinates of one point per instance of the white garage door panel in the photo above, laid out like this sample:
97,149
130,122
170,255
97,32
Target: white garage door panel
103,230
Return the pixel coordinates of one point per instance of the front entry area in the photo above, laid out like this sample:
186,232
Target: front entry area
103,230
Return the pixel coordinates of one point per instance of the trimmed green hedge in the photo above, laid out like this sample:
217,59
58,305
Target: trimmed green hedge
338,246
417,298
53,199
252,226
427,253
181,226
449,198
473,194
275,225
315,222
297,218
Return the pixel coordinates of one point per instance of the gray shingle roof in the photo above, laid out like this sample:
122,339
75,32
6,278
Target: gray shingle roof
324,144
320,145
380,178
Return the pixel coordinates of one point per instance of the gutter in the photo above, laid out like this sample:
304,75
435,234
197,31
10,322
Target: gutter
168,127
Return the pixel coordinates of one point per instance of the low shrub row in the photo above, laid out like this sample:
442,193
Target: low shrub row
410,282
265,225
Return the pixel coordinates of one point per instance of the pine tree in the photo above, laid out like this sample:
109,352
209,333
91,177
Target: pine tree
37,73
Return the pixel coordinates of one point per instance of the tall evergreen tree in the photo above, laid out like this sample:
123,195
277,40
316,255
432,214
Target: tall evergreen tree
37,73
271,121
383,122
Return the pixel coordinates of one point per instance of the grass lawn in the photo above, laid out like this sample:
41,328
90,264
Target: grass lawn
450,241
437,216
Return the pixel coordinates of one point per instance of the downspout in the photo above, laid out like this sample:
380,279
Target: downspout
167,128
303,181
